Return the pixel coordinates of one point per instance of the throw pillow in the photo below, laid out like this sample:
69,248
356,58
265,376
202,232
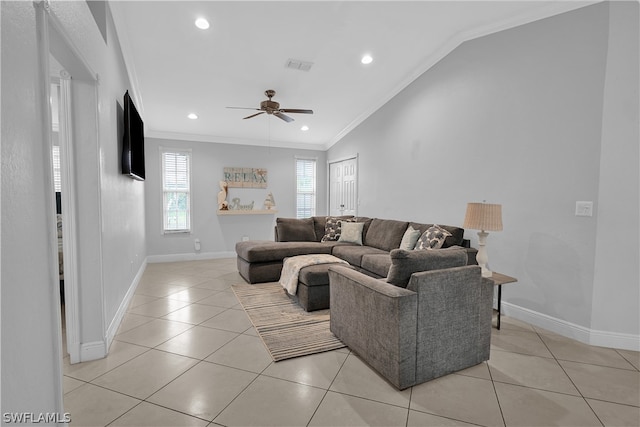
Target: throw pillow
295,230
433,238
409,239
332,229
351,232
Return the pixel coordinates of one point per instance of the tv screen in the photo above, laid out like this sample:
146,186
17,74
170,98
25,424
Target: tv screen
132,141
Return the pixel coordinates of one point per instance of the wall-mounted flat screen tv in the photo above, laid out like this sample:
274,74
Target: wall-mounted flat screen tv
132,141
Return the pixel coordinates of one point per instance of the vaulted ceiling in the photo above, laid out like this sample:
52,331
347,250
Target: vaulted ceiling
177,69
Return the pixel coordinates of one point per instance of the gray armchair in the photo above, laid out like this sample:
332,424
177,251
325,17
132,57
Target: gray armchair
440,323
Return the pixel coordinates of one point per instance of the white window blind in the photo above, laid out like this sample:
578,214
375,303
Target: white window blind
56,168
176,189
305,188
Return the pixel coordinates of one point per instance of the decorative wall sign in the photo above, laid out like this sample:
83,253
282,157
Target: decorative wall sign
245,177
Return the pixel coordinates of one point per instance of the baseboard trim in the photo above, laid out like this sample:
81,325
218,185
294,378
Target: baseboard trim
572,330
93,351
152,259
122,310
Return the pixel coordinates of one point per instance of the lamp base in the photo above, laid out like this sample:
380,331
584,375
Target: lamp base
487,273
482,257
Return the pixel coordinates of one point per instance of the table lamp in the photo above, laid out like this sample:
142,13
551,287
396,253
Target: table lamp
484,217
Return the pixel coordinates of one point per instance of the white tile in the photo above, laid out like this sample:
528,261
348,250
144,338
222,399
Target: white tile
244,352
153,333
146,374
272,402
230,320
197,342
318,370
204,391
459,397
530,371
342,410
90,405
522,406
150,415
195,313
119,353
358,379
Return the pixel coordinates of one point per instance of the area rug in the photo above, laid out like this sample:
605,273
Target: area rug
286,329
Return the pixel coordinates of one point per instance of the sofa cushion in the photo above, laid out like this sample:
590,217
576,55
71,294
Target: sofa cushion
353,254
351,232
433,238
266,251
405,263
409,239
377,264
385,234
456,238
295,230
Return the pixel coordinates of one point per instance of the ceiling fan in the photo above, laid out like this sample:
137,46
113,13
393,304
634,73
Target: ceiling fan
272,107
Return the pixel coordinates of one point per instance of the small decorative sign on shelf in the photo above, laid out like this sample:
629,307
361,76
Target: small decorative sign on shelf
245,177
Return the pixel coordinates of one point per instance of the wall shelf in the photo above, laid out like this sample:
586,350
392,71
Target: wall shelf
248,212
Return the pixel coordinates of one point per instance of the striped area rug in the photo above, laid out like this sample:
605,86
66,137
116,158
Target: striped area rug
286,329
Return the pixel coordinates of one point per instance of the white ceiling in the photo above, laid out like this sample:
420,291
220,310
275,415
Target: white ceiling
177,69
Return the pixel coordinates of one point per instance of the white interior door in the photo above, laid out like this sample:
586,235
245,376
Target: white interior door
343,187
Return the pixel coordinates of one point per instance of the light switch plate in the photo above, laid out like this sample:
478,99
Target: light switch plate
584,208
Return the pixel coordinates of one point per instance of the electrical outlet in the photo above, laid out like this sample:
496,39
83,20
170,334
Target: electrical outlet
584,208
245,238
196,244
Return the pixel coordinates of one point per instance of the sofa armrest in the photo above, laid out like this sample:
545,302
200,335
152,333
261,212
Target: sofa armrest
377,320
454,320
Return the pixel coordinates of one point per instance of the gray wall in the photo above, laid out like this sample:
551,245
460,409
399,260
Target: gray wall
219,234
516,118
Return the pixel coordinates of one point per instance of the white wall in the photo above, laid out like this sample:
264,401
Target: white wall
219,234
513,118
112,243
616,294
29,358
110,210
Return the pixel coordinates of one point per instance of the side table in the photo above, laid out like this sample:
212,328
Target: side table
498,280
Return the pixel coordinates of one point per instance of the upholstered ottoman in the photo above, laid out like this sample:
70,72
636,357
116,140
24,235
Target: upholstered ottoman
313,287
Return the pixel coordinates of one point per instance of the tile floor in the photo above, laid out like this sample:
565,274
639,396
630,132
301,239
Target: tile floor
187,355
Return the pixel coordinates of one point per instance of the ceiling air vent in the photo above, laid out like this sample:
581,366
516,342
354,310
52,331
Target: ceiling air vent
296,64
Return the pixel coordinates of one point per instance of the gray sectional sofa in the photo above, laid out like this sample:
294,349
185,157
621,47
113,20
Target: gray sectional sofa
262,261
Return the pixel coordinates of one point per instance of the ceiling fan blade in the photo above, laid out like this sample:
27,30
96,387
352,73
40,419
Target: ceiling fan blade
253,115
244,108
296,110
284,117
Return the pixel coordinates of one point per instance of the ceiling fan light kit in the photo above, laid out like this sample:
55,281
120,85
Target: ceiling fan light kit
273,108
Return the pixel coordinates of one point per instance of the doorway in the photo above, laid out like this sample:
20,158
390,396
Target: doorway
343,187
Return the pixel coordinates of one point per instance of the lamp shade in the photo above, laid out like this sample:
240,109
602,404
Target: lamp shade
483,216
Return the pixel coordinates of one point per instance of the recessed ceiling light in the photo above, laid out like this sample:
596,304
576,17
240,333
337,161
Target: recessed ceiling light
192,116
366,59
304,128
202,23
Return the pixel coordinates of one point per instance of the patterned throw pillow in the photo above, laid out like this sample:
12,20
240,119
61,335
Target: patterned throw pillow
433,238
332,229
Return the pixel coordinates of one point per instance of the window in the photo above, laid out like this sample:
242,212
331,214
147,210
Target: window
176,190
56,168
305,188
